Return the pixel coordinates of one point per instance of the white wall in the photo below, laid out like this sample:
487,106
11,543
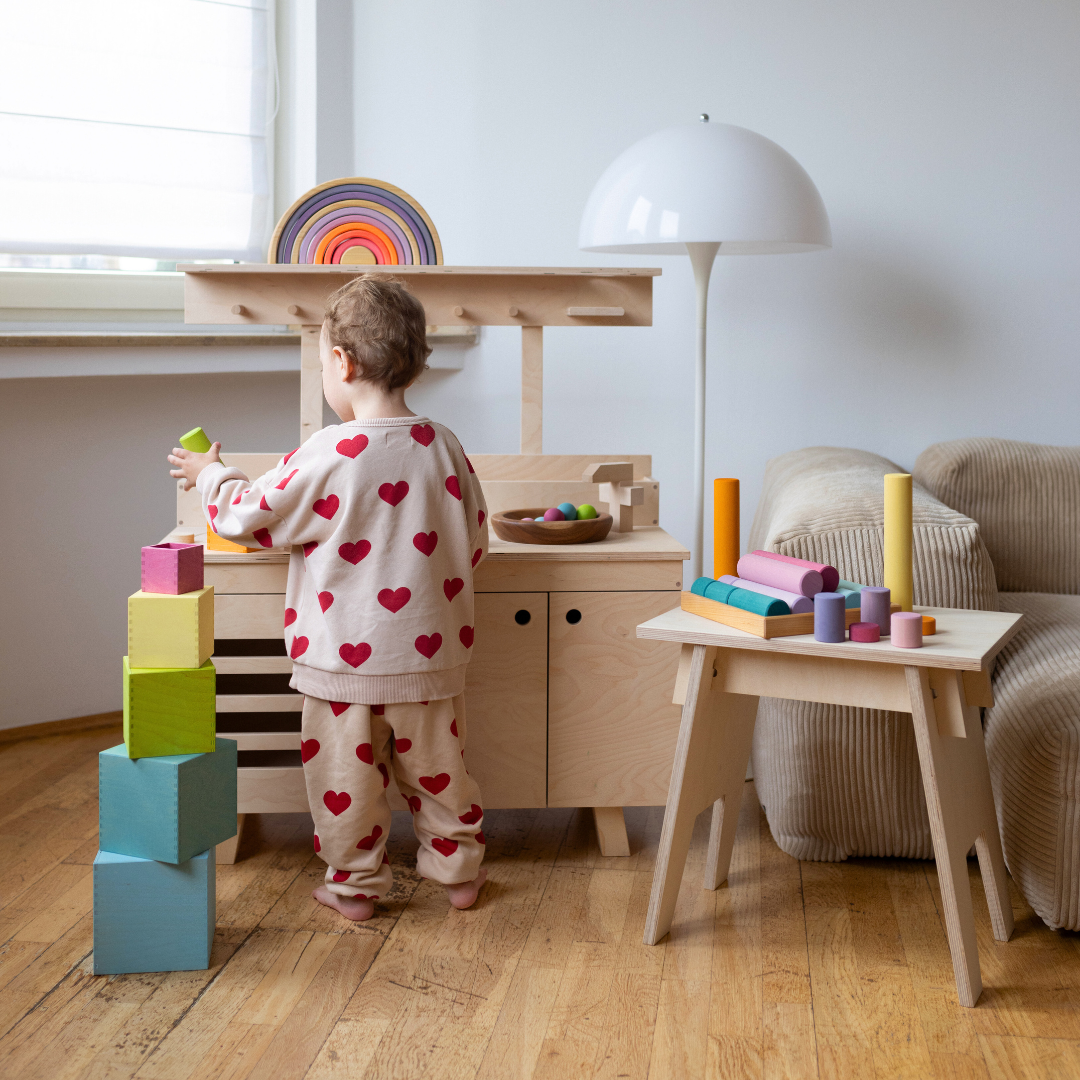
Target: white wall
944,138
945,141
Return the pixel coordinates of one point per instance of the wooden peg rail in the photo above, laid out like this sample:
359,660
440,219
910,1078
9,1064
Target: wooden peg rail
529,297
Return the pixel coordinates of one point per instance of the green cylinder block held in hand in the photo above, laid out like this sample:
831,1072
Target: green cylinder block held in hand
196,441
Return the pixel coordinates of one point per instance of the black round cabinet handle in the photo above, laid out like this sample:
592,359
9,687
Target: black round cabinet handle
522,618
573,616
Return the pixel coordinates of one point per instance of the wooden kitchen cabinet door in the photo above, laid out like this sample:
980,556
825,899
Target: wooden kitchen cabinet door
611,724
506,700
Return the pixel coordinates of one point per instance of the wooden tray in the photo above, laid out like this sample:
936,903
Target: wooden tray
509,526
764,626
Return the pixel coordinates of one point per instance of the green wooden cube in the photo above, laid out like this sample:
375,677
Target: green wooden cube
169,710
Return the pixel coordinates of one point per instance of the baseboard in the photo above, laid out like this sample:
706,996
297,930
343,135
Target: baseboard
61,727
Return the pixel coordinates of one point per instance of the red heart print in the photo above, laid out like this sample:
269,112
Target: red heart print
469,463
341,875
263,536
453,486
423,702
386,861
480,515
354,552
308,749
337,802
452,586
425,542
338,707
424,434
325,599
428,646
285,459
369,841
211,511
480,838
264,505
238,498
453,729
326,508
290,616
385,775
476,556
280,485
309,547
393,493
414,803
299,647
444,847
364,753
402,746
394,599
361,896
435,784
355,655
351,447
318,846
473,816
465,634
378,710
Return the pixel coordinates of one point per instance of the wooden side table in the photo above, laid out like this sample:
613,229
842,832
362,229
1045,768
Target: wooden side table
722,673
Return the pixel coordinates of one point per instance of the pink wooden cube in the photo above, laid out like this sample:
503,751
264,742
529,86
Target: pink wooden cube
172,568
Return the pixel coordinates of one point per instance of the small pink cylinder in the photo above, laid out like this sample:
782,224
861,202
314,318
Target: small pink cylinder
780,575
865,631
907,630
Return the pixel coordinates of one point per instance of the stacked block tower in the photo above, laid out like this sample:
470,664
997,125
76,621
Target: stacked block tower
168,793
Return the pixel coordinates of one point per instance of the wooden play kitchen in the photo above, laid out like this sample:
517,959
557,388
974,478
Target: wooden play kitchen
565,705
724,670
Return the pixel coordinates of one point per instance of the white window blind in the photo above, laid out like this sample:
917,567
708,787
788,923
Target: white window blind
136,127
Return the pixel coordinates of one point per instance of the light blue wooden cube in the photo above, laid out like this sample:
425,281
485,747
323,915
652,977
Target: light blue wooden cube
166,808
152,916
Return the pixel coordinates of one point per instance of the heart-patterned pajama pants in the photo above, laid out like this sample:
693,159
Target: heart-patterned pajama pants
349,752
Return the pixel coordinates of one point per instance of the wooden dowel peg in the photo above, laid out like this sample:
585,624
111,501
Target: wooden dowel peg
512,312
459,311
293,309
239,309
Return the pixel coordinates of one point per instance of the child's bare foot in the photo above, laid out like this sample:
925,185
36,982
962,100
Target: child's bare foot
356,908
463,894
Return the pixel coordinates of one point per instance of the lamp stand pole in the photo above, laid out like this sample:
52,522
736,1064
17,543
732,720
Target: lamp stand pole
701,258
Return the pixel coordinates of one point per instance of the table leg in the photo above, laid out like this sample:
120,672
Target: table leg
709,767
960,802
611,830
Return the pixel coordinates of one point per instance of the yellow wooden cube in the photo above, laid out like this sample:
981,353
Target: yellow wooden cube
171,630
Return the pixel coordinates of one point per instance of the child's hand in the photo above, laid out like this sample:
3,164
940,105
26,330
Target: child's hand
189,464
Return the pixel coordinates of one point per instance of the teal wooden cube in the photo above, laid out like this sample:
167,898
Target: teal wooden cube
169,710
166,808
152,916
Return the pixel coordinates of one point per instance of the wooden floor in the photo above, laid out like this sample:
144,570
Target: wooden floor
794,969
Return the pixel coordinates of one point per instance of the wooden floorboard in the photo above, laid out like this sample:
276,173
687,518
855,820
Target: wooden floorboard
789,970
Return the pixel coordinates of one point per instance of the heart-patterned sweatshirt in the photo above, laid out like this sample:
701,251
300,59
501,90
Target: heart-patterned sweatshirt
387,523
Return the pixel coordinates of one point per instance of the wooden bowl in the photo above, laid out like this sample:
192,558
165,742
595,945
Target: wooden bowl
509,526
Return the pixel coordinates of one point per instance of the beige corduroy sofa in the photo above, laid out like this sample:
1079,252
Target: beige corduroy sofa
997,526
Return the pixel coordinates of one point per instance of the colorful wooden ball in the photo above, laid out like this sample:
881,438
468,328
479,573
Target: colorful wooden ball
586,511
569,511
554,514
528,519
864,631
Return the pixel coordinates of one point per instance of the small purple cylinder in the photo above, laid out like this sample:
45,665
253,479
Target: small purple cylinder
875,607
829,618
907,630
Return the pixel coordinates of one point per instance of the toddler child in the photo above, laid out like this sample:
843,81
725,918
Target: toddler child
387,523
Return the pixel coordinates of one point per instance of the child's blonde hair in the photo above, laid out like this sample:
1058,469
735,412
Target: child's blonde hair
381,326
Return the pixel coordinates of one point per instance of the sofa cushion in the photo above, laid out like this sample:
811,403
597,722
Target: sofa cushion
1033,745
839,782
1026,499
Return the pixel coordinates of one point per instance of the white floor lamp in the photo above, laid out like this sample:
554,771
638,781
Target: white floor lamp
704,189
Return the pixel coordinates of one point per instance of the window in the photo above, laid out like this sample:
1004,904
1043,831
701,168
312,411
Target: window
136,128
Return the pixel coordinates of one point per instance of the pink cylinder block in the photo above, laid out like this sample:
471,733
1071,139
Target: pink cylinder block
865,631
907,630
830,576
779,574
799,604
